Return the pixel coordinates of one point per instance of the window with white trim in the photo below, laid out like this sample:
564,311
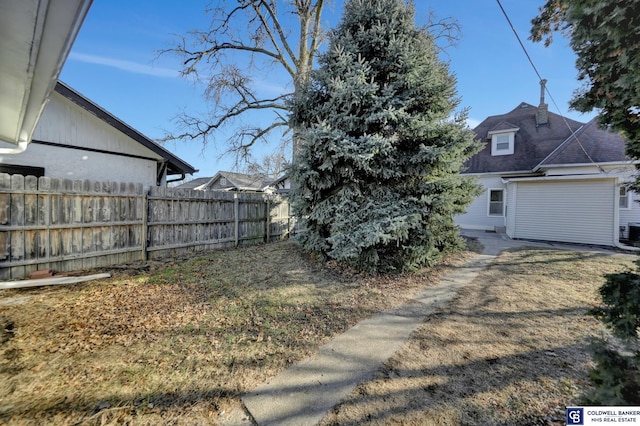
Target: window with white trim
496,202
502,143
625,203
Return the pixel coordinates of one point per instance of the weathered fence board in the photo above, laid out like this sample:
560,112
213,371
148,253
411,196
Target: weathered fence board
67,225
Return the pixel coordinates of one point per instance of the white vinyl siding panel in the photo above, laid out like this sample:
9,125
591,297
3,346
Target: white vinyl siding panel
567,211
476,216
65,123
512,189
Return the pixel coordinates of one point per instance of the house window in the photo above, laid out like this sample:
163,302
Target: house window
496,202
502,143
624,198
503,139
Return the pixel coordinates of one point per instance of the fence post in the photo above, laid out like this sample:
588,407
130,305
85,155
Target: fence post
236,217
145,223
268,219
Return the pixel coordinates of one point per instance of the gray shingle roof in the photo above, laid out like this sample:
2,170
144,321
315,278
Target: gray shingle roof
234,181
550,143
590,144
192,184
247,182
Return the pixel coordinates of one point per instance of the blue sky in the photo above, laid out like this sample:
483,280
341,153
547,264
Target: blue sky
114,62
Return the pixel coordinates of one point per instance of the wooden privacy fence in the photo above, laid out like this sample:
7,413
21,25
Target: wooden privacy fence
68,225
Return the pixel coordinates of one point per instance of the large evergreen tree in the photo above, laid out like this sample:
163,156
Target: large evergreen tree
377,176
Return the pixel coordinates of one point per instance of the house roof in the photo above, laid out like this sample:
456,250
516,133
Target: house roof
35,39
590,144
235,182
549,144
503,125
175,166
244,182
194,183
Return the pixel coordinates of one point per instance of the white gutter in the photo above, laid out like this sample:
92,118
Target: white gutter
604,164
555,178
35,39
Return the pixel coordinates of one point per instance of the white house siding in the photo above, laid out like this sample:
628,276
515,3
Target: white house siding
512,195
477,215
66,163
64,122
575,211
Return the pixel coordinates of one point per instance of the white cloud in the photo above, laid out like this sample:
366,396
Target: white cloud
473,123
270,88
128,66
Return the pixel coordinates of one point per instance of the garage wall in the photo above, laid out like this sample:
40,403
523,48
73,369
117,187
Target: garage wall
576,211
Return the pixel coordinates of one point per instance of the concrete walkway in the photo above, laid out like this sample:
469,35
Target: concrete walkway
307,391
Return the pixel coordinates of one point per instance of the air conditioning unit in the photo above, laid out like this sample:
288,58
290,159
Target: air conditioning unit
634,232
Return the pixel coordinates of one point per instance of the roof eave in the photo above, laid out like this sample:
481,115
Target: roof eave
595,164
35,39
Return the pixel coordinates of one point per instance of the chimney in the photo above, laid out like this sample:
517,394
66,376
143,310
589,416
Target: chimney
542,115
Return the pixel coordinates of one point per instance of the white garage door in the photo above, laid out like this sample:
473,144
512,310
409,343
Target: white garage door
568,211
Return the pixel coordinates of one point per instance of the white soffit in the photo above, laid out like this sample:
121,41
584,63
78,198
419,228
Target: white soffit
35,39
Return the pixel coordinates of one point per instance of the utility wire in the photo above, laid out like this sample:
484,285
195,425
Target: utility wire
524,49
533,65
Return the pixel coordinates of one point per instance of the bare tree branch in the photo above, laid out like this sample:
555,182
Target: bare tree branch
245,38
271,165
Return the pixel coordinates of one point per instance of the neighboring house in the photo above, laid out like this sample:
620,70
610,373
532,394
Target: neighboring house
281,185
231,181
77,139
547,177
193,183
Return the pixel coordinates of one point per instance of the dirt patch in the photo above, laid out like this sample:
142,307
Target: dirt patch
7,330
178,342
512,348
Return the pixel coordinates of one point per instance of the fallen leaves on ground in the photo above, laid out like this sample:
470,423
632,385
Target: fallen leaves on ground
179,341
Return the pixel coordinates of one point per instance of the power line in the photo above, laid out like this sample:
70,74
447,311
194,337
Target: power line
533,65
524,49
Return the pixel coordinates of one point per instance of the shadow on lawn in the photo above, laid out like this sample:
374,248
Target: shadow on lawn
119,410
484,367
568,257
410,393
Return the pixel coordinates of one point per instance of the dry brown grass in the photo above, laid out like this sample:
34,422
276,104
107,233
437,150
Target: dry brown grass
512,349
180,343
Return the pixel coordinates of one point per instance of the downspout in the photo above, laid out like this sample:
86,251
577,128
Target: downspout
616,222
22,147
182,177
